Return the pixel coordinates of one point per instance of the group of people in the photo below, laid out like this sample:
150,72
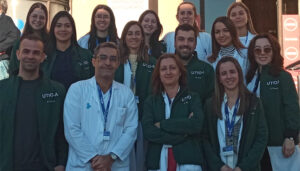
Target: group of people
189,102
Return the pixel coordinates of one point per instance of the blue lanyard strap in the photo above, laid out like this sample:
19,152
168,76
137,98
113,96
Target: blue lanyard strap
134,79
230,124
246,38
256,83
104,110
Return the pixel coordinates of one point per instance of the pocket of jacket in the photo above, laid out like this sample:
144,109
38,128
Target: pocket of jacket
120,116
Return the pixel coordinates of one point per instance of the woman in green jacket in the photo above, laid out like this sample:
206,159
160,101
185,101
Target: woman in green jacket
36,22
135,72
235,127
66,62
275,86
172,120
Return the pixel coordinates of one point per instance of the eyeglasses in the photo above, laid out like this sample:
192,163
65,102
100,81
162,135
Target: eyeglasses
105,57
259,51
101,16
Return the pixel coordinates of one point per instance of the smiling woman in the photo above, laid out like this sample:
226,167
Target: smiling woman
225,42
275,87
152,29
36,22
239,13
135,72
67,62
103,28
235,129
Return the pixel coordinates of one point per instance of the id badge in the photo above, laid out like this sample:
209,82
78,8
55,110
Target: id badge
106,135
228,150
137,99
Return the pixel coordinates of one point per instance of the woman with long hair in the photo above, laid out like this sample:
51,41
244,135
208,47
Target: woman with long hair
275,87
36,22
103,28
135,72
235,129
240,15
152,29
67,62
172,119
186,14
225,42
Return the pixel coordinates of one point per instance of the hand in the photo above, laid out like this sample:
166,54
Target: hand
237,169
191,115
225,168
59,168
157,124
102,163
288,148
95,162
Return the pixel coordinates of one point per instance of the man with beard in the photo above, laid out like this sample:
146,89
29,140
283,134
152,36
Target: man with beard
100,117
199,73
31,126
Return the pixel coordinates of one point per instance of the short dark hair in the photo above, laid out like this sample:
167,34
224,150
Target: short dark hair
186,27
32,36
107,45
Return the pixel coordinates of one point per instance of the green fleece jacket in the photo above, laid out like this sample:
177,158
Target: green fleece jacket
253,139
81,62
280,101
201,78
143,81
49,98
179,130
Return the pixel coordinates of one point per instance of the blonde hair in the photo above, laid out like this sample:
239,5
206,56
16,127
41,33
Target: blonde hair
250,26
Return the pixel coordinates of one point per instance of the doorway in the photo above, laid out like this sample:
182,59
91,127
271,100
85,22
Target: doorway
264,15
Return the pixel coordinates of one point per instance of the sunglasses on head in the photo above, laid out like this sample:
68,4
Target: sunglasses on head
258,51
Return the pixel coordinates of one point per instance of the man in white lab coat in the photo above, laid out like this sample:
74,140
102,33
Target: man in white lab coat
100,117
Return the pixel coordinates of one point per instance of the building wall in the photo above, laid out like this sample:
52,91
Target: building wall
214,9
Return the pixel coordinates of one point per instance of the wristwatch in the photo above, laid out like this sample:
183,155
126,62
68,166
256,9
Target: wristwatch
113,156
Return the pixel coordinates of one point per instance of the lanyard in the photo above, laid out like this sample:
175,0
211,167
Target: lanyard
97,41
246,39
104,110
256,83
230,124
133,80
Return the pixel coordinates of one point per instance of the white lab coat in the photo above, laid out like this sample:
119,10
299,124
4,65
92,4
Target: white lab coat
84,41
203,47
241,57
84,125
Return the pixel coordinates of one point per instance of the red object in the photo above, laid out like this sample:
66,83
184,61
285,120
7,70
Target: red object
171,160
290,40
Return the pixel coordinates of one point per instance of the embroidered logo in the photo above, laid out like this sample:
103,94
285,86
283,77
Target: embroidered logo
273,84
148,66
276,82
50,95
197,74
185,99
